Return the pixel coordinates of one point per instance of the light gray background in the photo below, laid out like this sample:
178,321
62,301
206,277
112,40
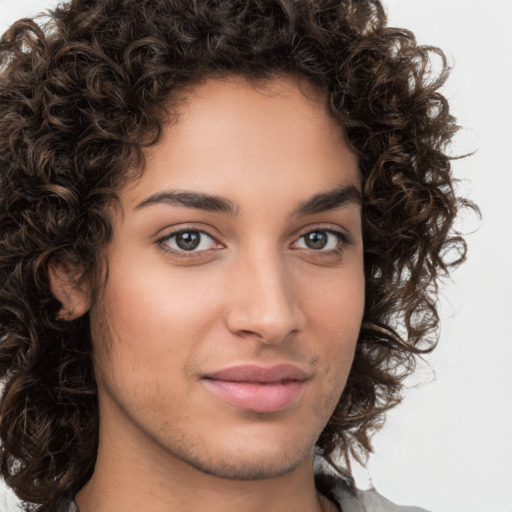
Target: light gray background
447,448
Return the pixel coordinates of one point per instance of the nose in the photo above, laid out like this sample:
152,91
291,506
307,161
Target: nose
264,304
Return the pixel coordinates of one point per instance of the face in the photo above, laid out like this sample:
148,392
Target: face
226,329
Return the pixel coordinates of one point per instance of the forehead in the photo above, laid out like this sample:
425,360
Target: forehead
235,136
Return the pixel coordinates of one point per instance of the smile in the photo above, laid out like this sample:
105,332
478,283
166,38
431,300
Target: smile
258,389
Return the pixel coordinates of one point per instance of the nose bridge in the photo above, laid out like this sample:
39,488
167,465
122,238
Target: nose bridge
264,301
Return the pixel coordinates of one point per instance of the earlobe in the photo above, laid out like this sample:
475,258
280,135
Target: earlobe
67,288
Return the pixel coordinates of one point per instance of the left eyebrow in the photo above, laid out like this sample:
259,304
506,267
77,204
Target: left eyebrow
195,200
330,200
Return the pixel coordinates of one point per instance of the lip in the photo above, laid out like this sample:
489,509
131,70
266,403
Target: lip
257,388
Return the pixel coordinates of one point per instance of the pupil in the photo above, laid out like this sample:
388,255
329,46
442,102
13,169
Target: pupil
316,239
188,240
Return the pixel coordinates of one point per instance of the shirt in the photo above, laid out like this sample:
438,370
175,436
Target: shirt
338,490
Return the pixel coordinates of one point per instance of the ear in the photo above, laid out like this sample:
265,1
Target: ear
67,288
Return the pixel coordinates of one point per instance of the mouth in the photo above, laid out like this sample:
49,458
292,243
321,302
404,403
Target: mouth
258,389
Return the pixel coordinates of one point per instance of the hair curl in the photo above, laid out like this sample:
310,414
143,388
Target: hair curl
82,94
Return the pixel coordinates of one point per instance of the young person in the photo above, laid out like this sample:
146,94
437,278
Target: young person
222,229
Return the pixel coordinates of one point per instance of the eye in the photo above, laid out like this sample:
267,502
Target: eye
320,240
188,241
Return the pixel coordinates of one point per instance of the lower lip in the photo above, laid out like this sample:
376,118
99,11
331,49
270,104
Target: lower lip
257,397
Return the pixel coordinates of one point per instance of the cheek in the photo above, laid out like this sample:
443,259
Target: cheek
155,299
336,305
334,316
153,321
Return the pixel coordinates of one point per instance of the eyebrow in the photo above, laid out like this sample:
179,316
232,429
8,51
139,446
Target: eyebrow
329,200
324,201
196,200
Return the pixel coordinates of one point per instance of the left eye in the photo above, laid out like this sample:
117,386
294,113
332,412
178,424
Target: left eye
319,240
189,241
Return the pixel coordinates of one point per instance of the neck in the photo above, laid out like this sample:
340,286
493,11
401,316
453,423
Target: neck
148,478
130,488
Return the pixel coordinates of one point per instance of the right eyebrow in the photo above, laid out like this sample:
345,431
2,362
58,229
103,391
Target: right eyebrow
197,200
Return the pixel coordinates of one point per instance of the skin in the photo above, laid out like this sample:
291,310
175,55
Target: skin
253,292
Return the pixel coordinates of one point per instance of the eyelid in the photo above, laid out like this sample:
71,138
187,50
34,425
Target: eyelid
344,236
161,241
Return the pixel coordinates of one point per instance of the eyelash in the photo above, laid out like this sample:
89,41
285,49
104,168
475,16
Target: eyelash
163,243
343,241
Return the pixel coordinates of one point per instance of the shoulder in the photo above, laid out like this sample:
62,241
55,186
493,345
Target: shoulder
63,505
69,506
371,501
349,499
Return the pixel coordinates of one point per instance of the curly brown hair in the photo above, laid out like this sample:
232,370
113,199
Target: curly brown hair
80,97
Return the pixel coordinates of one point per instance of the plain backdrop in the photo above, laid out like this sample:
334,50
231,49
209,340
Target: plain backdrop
447,447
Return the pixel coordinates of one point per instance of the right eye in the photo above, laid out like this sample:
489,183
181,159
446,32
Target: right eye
188,240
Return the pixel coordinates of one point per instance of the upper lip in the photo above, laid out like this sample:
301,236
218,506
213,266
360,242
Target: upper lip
262,374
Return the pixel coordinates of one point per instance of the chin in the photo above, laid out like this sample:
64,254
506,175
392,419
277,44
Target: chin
246,461
248,467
